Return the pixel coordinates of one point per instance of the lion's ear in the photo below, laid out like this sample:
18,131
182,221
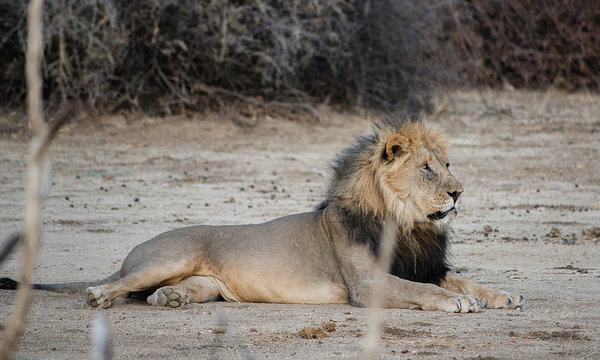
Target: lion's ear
395,145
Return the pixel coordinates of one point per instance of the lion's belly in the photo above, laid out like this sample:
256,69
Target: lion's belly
282,289
287,260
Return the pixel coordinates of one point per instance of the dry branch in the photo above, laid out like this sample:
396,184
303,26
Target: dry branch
384,262
36,179
9,244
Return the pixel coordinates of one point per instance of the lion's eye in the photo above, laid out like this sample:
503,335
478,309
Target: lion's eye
426,167
447,165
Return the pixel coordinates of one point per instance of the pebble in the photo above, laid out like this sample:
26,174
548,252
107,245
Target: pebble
554,232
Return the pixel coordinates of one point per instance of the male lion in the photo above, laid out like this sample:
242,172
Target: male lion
397,175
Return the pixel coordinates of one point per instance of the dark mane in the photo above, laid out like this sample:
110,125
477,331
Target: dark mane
423,258
420,256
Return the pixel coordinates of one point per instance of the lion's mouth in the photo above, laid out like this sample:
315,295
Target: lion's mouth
441,214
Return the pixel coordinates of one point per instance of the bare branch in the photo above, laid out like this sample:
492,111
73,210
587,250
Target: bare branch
9,244
388,246
37,179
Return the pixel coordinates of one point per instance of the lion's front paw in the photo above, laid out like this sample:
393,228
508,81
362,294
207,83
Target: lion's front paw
96,297
457,304
465,304
506,300
168,297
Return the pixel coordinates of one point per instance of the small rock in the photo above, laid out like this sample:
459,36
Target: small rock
244,121
219,330
488,228
568,241
554,233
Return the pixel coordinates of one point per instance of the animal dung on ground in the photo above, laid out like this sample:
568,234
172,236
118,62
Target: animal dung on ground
329,326
312,332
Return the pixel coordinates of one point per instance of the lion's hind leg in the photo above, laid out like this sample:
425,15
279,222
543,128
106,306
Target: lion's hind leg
194,289
102,296
137,279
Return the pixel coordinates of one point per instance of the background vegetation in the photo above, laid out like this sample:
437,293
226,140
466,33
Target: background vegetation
178,55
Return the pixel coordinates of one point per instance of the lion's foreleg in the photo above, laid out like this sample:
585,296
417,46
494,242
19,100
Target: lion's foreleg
404,294
427,297
491,298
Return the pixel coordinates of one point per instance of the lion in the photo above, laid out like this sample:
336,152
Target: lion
397,175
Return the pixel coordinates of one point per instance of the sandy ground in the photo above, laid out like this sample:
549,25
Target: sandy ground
529,162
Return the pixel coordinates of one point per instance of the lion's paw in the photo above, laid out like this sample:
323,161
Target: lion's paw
96,297
461,304
506,300
467,303
454,303
168,297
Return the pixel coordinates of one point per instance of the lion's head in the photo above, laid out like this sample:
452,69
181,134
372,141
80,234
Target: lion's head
399,171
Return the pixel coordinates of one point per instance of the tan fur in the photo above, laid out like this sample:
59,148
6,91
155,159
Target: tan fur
398,176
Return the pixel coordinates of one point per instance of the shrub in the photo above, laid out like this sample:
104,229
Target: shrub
192,54
178,55
528,43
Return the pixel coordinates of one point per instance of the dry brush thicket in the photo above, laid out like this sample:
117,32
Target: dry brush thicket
178,55
527,43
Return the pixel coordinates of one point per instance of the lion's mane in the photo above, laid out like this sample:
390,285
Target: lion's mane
421,248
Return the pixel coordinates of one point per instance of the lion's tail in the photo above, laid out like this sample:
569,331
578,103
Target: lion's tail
71,287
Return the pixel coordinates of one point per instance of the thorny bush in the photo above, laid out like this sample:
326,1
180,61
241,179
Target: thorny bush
178,55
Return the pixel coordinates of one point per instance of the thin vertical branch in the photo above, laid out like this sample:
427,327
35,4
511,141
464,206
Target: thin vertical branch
8,244
36,179
386,252
34,62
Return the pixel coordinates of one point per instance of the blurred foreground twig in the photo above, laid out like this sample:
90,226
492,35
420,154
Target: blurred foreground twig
37,178
388,243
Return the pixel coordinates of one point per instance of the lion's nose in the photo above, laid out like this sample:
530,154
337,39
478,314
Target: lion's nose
455,195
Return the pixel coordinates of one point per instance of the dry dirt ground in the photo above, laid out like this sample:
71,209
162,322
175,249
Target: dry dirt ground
529,162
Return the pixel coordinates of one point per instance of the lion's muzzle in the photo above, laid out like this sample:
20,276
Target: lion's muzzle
442,214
